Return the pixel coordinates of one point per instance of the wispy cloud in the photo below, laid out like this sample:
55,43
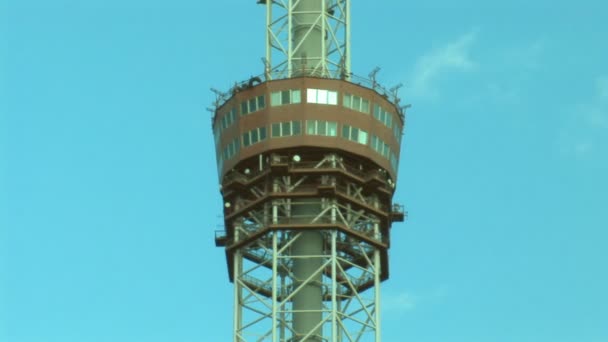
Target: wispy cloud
587,129
454,56
404,301
514,68
398,302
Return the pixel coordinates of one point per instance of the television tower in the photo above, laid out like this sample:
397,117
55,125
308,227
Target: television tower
307,157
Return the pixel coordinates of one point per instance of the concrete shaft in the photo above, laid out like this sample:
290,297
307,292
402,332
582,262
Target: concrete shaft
308,35
310,298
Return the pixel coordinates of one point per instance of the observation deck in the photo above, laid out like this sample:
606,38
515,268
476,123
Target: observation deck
353,115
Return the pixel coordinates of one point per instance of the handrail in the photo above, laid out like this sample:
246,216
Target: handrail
390,95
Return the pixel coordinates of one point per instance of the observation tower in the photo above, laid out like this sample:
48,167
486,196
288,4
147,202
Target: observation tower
307,158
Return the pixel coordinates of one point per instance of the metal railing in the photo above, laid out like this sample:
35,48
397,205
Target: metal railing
389,94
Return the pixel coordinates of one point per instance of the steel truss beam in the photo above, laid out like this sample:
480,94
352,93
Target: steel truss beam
265,288
282,47
264,231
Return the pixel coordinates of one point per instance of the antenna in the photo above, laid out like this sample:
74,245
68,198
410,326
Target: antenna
372,76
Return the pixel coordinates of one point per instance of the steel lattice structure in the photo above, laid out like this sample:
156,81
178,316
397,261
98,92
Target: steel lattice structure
291,25
347,209
308,163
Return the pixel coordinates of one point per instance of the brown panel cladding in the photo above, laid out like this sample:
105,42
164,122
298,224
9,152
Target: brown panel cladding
309,111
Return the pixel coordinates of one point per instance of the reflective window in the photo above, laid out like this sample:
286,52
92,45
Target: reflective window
286,129
394,162
254,136
354,134
226,121
397,133
356,103
320,127
231,149
284,97
220,162
381,147
252,105
383,116
216,134
322,96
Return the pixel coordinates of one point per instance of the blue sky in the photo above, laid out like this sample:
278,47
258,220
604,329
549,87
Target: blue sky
108,191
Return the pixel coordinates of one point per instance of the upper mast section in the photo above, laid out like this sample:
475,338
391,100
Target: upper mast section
307,38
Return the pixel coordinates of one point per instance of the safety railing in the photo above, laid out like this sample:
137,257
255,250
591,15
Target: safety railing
389,94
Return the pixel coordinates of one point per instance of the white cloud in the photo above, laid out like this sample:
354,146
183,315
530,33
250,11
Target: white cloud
525,57
451,57
586,131
595,112
404,301
399,302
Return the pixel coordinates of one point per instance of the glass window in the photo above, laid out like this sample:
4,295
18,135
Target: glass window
311,95
326,128
285,97
286,128
310,127
275,99
332,129
354,134
321,128
362,137
276,129
394,161
246,141
376,111
252,105
356,103
346,101
332,98
231,149
397,133
322,96
254,136
383,116
262,133
380,146
385,150
365,106
295,96
296,130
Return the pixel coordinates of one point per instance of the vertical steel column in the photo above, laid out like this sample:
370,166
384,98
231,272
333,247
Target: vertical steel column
347,43
323,61
308,36
238,298
334,286
275,289
377,271
268,66
308,302
275,273
290,38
